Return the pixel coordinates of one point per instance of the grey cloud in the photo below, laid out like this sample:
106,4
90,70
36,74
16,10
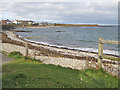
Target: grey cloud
66,12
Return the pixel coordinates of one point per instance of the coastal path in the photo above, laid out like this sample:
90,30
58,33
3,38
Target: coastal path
5,59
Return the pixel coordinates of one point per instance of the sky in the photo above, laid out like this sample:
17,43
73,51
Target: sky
92,12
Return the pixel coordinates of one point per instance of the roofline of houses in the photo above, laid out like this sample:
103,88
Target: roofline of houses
7,21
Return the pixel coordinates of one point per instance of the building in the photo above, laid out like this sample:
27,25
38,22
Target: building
46,24
43,24
15,21
5,22
0,22
23,22
30,22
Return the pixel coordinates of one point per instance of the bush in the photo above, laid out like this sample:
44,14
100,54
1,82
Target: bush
15,54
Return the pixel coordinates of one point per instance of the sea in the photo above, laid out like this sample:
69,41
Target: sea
77,38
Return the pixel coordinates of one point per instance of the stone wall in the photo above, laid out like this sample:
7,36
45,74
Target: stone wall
64,62
61,61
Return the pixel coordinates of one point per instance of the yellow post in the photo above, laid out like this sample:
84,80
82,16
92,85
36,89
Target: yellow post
100,52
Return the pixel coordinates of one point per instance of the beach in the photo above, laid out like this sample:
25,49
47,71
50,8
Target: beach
52,55
74,38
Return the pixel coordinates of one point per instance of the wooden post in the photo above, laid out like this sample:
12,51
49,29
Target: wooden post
87,62
23,26
26,49
100,52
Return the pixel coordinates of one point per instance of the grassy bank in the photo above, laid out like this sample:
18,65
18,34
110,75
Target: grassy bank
82,25
32,73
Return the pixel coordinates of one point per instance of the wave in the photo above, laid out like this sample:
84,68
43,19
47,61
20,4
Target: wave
93,50
85,41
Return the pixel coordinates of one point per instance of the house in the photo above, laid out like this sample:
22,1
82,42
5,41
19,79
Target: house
40,24
5,22
44,24
23,22
0,22
15,21
30,22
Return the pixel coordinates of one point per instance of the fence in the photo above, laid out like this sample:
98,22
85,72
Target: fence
26,44
84,61
100,49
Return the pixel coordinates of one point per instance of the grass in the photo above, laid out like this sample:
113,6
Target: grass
31,73
15,55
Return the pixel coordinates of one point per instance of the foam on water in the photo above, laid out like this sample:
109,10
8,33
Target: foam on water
73,48
76,38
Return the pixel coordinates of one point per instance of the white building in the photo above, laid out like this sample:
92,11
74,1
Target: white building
22,22
15,22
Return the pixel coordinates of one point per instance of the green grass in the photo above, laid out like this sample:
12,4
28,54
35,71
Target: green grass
31,73
15,55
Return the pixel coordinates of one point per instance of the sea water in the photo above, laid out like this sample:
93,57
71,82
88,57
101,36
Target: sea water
79,38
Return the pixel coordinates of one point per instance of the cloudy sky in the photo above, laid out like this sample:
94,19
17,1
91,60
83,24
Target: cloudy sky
99,12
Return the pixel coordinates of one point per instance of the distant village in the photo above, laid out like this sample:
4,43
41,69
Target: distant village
25,22
31,23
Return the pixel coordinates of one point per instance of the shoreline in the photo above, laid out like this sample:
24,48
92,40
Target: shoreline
61,47
56,56
64,47
84,53
79,49
37,44
42,26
